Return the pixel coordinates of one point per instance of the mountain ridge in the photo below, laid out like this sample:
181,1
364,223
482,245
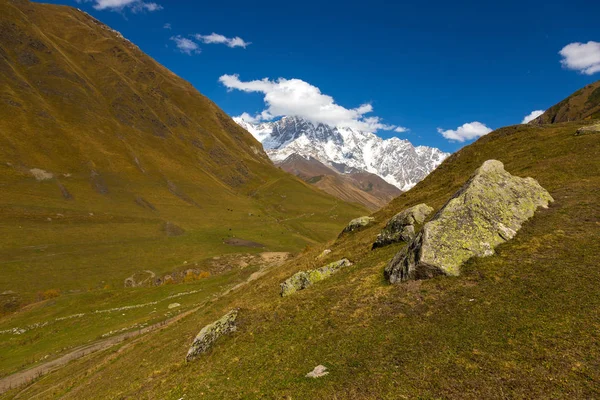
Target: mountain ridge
395,160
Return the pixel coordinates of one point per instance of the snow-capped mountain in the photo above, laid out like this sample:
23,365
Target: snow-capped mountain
395,160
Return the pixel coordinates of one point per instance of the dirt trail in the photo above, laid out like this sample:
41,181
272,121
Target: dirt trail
20,378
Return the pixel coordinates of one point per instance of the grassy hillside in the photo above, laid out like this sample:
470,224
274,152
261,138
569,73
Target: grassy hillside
100,147
520,324
111,165
581,105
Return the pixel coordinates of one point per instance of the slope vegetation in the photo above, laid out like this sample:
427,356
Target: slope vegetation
522,323
114,172
581,105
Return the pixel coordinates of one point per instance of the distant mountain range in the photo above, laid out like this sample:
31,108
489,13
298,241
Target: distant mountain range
347,150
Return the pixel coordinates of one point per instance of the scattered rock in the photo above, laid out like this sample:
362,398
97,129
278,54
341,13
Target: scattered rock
173,305
140,278
324,253
487,211
41,175
401,227
304,279
357,223
170,229
210,333
318,372
588,130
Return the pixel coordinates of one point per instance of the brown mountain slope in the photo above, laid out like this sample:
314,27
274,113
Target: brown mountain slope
111,164
581,105
357,186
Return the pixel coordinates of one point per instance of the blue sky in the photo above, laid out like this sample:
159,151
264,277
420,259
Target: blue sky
420,65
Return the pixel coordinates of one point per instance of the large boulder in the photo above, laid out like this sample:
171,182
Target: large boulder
210,333
357,223
401,227
588,130
304,279
487,211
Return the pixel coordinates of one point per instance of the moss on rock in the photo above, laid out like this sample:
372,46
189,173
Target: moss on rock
487,211
304,279
401,227
357,223
210,333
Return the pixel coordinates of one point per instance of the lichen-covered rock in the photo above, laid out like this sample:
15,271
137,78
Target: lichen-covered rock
357,223
401,227
210,333
588,130
487,211
304,279
324,253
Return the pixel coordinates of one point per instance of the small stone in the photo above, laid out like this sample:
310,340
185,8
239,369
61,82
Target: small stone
324,253
304,279
318,372
174,305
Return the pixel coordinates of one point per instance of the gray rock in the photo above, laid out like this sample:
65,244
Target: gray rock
487,211
401,227
588,130
210,333
318,372
357,223
304,279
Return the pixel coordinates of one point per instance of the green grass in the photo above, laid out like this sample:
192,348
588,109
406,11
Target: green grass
114,127
520,324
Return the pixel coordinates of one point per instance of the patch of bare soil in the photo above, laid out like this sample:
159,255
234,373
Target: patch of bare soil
243,243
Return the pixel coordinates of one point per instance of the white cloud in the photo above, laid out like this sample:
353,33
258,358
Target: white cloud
220,39
532,115
167,26
118,5
249,118
582,57
401,129
185,45
468,131
295,97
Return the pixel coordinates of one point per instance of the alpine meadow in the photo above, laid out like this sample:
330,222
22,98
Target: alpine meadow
276,242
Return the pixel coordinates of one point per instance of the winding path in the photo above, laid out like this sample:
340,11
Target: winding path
29,375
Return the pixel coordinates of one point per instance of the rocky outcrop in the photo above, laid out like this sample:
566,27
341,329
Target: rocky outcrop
357,223
588,130
487,211
304,279
210,333
401,227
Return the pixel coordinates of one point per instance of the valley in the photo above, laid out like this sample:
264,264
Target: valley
152,246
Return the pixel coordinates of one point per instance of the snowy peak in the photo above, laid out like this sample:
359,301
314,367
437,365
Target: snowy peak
395,160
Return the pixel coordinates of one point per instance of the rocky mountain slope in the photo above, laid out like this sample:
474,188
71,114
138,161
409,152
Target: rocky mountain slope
354,186
518,321
395,160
